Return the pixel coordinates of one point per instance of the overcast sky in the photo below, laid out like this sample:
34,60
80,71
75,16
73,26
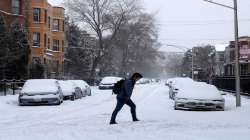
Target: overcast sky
193,22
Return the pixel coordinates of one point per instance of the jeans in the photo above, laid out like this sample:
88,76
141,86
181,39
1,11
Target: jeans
119,105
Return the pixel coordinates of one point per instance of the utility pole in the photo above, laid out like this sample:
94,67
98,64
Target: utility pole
237,71
236,34
192,53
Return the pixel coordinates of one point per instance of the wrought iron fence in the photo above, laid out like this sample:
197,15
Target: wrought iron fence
13,85
228,83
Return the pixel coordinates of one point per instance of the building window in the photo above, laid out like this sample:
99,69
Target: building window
45,16
55,45
63,25
62,46
48,22
36,14
36,39
55,24
48,43
16,7
45,40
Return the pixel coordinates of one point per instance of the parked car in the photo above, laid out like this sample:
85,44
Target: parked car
143,81
199,96
41,91
86,90
70,90
108,82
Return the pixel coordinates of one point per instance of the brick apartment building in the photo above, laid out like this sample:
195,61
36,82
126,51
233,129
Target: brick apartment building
46,35
244,57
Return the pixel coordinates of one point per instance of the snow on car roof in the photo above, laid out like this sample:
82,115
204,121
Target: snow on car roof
33,86
180,82
199,90
110,79
80,83
67,86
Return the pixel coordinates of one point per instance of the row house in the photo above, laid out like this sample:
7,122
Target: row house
244,57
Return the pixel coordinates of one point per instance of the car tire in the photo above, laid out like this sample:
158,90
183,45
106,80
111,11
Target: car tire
90,93
59,102
73,97
175,108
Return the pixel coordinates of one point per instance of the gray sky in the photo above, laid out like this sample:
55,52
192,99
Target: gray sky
193,22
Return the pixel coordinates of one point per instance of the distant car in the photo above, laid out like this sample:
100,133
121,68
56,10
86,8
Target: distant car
199,96
86,90
108,82
41,91
143,81
70,90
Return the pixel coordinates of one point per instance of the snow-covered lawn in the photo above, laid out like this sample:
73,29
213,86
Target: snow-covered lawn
88,118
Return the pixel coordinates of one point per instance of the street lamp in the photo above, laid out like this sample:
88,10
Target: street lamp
237,74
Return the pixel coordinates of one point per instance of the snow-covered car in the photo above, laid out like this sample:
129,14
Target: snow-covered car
41,91
108,82
86,90
70,90
143,81
199,96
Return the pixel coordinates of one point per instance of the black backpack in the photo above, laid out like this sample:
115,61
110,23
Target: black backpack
118,87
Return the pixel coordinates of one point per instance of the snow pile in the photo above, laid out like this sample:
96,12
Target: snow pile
35,86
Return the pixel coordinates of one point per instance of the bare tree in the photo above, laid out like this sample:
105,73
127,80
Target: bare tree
134,47
104,17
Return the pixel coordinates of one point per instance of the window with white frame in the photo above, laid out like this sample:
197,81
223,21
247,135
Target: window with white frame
55,25
16,7
36,14
55,45
36,39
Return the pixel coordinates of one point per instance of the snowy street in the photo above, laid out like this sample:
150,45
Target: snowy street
88,119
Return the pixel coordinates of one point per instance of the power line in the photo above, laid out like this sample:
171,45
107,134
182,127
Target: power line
198,23
187,39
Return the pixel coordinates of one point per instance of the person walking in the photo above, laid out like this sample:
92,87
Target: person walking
124,97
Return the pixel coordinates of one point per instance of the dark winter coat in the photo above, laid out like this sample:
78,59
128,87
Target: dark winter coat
127,89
